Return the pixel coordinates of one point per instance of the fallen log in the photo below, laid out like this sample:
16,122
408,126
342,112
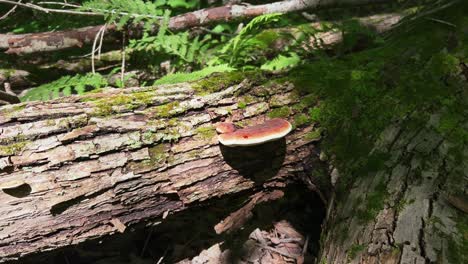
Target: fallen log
59,40
81,168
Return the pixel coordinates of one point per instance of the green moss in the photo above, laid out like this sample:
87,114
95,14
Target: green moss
402,204
206,133
458,242
314,114
10,110
355,96
241,105
158,154
171,134
313,135
105,106
374,202
13,148
354,251
301,119
280,112
244,101
165,109
217,82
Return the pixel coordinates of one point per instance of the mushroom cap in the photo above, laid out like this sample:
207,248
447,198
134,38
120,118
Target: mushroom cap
272,129
224,127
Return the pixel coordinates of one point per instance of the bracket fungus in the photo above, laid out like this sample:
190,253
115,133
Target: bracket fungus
270,130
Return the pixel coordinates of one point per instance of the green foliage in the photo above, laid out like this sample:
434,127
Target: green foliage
282,62
282,112
67,85
404,79
238,50
192,76
123,12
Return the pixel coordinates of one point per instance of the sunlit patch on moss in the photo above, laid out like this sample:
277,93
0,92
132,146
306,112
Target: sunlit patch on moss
206,133
13,148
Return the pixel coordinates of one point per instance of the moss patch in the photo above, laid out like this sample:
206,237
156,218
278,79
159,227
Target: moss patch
106,106
13,148
301,119
280,112
313,135
158,154
374,202
354,251
217,82
165,109
206,133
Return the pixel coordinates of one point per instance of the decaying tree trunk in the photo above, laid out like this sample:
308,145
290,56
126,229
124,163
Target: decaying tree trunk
408,212
81,168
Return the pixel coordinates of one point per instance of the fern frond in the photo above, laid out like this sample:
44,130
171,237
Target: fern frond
65,86
282,62
193,76
231,51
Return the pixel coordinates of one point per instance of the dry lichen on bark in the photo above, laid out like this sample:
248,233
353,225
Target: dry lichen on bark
89,166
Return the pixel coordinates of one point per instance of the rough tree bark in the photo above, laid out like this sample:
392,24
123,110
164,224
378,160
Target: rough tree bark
81,168
53,41
406,213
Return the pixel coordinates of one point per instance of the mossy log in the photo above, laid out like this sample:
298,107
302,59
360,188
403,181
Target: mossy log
81,168
414,211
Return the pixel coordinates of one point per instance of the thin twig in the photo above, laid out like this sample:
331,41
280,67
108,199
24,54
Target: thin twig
306,244
148,237
441,21
50,10
100,42
10,11
122,69
98,35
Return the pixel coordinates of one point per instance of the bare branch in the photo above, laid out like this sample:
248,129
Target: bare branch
9,11
49,10
53,41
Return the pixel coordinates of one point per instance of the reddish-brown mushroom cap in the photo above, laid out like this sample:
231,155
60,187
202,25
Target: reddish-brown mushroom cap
270,130
224,127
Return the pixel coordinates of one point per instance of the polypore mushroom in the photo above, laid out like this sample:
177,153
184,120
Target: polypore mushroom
272,129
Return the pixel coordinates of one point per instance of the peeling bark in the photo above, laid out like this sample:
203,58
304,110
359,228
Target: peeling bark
91,166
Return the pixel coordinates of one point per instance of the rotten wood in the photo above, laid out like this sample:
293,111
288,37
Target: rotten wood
54,41
95,165
237,219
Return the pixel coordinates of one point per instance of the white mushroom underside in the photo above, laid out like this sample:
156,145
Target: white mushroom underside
254,140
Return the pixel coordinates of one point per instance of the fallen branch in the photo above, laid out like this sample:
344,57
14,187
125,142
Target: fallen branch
9,98
53,41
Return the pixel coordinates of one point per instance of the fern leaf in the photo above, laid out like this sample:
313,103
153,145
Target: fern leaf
193,76
282,62
65,86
